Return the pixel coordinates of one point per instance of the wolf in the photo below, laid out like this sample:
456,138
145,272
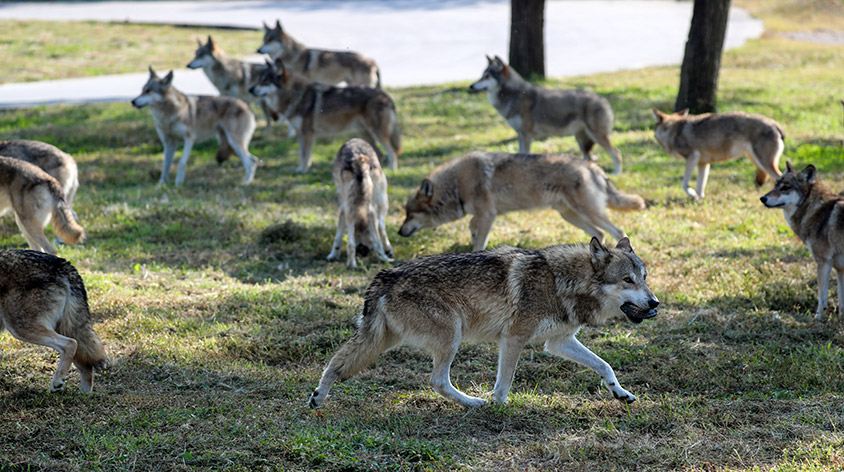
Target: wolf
486,184
196,118
52,160
714,137
230,76
314,109
362,200
36,198
816,215
537,113
320,65
43,301
510,296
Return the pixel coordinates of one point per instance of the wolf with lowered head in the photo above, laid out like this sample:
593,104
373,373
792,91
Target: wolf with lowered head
43,301
513,297
816,215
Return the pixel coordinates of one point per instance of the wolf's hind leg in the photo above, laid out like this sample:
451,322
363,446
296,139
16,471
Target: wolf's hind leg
32,228
824,268
41,335
840,274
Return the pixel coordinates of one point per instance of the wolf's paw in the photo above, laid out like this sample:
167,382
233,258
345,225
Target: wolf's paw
301,170
693,194
333,256
315,400
621,394
473,402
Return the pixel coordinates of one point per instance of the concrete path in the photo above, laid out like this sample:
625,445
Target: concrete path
414,41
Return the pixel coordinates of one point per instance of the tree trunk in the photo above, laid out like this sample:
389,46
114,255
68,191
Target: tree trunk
527,41
702,59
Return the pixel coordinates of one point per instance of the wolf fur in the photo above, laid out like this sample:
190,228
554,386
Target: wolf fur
52,160
816,215
510,296
197,118
537,113
36,198
231,77
362,200
487,184
713,137
320,65
314,109
43,301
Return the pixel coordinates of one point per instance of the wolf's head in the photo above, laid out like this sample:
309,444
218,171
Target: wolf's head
423,210
494,75
204,55
154,90
791,188
664,123
273,78
622,277
276,41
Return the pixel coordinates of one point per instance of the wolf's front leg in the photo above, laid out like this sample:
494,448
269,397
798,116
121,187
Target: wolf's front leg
306,143
824,268
570,348
480,226
169,152
183,161
338,238
691,163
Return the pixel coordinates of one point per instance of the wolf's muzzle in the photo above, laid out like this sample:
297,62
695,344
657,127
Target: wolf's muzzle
134,104
638,314
764,200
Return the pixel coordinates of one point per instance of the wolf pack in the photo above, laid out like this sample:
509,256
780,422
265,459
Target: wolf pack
510,296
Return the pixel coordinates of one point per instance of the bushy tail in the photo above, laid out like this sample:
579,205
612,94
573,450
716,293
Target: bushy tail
395,135
618,200
76,323
90,350
361,191
64,223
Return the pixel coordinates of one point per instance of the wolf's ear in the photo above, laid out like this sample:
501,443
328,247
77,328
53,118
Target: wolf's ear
660,116
599,253
498,59
505,70
278,25
683,112
488,59
427,188
168,79
809,173
210,42
152,73
198,42
624,245
264,24
789,167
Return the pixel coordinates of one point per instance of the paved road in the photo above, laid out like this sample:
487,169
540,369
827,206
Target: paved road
415,42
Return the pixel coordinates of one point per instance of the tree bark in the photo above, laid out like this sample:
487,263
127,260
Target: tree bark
702,59
527,37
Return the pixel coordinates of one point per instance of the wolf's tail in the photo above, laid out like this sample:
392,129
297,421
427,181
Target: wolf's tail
378,77
618,200
361,190
76,324
90,350
395,134
64,223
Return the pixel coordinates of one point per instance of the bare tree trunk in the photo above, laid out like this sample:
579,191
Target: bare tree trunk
702,59
527,41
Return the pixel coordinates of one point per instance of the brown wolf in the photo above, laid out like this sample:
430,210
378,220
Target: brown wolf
713,137
43,301
488,184
362,200
510,296
52,160
320,65
36,199
197,118
816,215
536,113
314,109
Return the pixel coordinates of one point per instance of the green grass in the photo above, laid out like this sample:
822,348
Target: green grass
220,315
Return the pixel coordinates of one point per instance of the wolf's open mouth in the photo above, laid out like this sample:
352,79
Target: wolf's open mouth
637,314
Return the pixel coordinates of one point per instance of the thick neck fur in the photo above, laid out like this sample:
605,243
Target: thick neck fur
292,50
222,69
175,105
798,214
578,284
446,198
512,85
289,97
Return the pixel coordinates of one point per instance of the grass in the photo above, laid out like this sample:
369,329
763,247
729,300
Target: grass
217,306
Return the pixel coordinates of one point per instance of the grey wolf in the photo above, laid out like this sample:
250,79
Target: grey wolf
714,137
816,215
362,200
537,113
320,65
50,159
36,198
230,76
314,109
197,118
510,296
488,184
43,301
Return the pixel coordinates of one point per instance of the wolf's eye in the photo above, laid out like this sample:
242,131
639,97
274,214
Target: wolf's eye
628,280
